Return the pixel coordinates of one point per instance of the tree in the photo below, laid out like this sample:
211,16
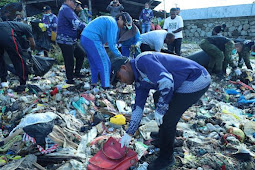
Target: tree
4,2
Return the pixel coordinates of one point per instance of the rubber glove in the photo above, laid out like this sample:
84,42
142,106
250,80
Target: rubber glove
238,72
125,140
158,118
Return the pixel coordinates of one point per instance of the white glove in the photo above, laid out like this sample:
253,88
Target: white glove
238,72
125,140
158,118
5,84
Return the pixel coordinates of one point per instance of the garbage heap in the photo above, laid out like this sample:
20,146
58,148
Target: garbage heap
52,125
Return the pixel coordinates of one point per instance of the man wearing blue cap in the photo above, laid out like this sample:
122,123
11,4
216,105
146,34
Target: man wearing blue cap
179,83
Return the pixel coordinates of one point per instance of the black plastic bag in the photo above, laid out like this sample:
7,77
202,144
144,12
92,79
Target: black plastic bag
200,57
41,65
36,65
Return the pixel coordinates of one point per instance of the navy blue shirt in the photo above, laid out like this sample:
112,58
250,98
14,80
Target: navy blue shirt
68,24
167,74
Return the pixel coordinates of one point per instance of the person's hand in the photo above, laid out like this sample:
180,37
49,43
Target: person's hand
125,140
111,3
238,72
158,118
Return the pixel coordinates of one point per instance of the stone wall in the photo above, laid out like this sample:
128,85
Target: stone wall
237,27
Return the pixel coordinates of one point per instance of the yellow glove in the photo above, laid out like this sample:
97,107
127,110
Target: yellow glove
42,26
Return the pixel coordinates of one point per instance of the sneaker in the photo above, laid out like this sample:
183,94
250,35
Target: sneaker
79,75
4,84
161,163
70,82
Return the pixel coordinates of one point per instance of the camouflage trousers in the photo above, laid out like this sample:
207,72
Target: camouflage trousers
216,56
245,55
219,60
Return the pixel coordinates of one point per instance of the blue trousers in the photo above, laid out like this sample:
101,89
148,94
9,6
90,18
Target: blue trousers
146,28
99,61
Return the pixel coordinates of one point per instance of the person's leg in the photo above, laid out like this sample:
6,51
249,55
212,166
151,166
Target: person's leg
125,51
103,65
79,54
171,46
143,28
178,43
178,105
68,54
3,69
91,51
246,58
147,27
15,53
216,56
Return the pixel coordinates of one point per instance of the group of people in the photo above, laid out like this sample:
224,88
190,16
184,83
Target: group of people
179,82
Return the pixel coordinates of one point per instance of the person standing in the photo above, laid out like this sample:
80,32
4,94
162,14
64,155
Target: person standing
50,22
179,83
68,25
115,8
174,24
100,31
145,18
11,35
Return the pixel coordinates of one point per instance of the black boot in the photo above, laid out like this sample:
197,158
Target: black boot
161,163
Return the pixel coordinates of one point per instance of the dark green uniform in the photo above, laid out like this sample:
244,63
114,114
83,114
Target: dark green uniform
245,54
219,49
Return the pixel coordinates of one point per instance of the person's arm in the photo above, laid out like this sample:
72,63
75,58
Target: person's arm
112,40
54,22
141,16
137,38
158,75
74,20
165,26
158,46
109,7
178,30
121,7
180,25
151,15
137,114
32,43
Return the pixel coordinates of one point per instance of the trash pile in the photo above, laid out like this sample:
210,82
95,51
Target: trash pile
52,125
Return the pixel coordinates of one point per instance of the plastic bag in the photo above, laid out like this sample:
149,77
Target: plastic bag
41,65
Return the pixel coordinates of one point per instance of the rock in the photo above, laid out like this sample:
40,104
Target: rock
246,27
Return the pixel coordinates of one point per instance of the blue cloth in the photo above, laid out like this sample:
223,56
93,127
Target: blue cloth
103,29
167,74
146,15
68,24
99,61
125,45
50,22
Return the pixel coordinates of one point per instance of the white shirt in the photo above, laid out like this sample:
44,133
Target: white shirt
174,24
155,39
